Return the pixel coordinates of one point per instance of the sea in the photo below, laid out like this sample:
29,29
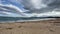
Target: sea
6,19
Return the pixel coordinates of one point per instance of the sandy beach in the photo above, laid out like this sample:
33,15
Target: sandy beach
32,27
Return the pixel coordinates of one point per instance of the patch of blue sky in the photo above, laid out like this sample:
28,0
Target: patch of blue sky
12,2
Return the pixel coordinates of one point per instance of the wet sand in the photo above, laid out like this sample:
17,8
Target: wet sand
34,27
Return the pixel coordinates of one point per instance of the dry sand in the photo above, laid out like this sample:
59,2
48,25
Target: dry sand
38,27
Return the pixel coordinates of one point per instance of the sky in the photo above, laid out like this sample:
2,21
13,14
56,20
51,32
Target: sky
5,6
13,8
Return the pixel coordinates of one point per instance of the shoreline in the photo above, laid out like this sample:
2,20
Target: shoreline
36,20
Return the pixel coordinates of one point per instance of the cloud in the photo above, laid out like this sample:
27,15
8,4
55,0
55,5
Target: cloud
15,9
